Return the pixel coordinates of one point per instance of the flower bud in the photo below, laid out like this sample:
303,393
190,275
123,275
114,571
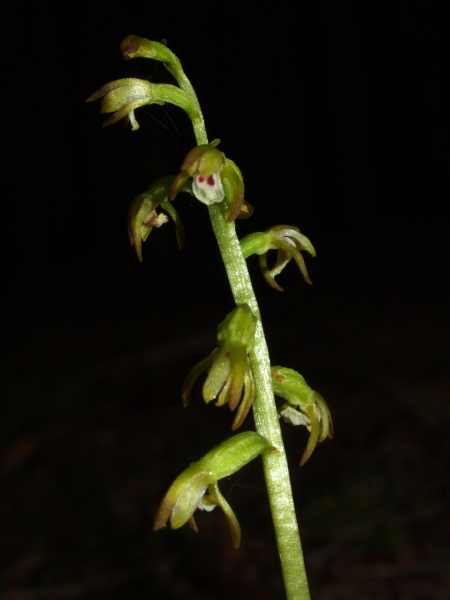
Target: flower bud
134,47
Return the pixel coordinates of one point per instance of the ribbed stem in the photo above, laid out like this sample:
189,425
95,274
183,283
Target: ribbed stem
266,418
264,408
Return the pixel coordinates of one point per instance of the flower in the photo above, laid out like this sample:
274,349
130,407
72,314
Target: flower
123,96
304,407
204,164
196,487
230,374
142,216
288,241
214,178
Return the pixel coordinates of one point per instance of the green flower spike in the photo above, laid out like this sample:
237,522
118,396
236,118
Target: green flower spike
142,216
214,178
197,487
289,243
123,96
230,372
304,407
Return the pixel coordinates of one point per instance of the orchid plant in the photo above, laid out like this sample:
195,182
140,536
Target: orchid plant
239,372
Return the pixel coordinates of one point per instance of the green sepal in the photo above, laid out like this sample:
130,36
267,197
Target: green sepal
233,185
190,487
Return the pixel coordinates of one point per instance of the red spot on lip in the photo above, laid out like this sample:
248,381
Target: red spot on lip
210,180
200,179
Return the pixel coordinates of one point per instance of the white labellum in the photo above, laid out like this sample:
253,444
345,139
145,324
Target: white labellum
208,189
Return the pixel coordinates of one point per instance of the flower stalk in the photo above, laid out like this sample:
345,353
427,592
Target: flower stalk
239,370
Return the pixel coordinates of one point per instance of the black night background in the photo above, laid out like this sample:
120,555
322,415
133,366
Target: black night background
335,112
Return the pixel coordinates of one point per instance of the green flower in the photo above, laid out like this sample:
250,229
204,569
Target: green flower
142,216
230,375
197,488
289,243
304,407
123,96
214,179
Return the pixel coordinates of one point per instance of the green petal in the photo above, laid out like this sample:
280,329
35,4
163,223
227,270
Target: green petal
194,373
217,376
179,228
233,523
248,398
267,273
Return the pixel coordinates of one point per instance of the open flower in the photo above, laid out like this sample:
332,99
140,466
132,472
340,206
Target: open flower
204,164
123,96
214,179
197,487
304,407
230,375
142,216
289,243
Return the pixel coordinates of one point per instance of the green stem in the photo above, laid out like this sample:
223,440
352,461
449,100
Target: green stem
264,409
195,113
266,418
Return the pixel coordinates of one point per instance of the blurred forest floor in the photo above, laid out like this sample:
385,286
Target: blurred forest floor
93,432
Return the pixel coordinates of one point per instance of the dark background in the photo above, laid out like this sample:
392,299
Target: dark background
335,114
